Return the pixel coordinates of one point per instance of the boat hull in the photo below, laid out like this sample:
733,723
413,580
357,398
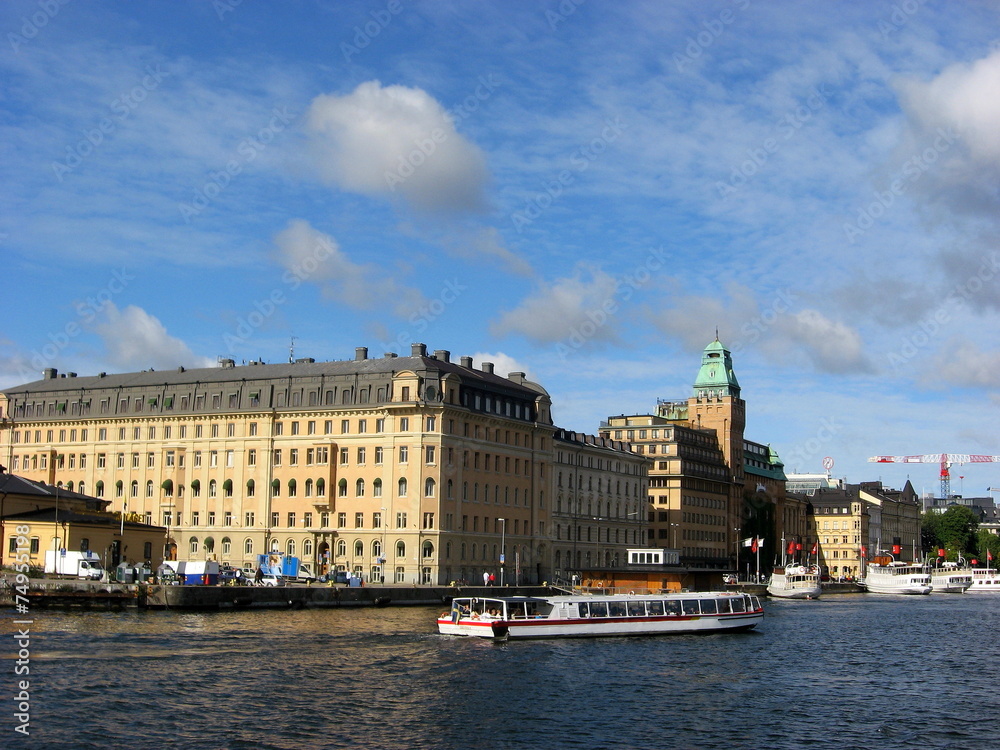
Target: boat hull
898,578
798,593
985,581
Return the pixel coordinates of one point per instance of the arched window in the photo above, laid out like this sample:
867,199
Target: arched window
402,487
227,487
168,487
342,488
427,550
251,488
193,545
290,548
307,548
227,545
376,549
291,488
359,549
429,487
213,488
341,548
134,489
149,488
248,546
359,488
196,487
209,545
309,488
400,549
274,546
377,488
119,488
321,487
99,488
275,487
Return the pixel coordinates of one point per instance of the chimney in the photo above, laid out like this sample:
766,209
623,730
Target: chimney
443,354
360,352
488,367
49,373
466,362
418,350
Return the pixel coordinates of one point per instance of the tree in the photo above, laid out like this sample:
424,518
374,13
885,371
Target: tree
955,530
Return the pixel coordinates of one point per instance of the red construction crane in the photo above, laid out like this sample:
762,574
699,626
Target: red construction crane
944,459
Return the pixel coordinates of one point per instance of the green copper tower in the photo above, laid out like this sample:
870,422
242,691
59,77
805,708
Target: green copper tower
716,376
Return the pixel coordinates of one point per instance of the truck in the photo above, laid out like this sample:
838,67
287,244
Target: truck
281,565
85,565
194,572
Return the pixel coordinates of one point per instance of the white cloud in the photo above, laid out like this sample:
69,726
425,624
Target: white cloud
831,345
568,307
309,255
963,363
387,141
503,364
136,340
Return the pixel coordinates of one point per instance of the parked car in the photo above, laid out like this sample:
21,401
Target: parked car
270,579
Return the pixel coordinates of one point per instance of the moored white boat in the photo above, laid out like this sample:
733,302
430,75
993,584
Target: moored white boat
985,581
795,582
951,578
582,616
898,577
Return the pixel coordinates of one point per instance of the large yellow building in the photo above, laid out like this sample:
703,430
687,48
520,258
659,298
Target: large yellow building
405,469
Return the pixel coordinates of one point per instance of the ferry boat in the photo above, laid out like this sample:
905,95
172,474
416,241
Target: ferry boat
897,577
585,615
984,581
795,582
951,578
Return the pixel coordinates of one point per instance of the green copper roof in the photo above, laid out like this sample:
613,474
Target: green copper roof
716,374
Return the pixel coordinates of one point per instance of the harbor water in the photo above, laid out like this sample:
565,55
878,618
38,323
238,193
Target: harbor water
850,671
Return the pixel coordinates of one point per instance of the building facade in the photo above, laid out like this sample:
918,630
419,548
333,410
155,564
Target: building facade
402,469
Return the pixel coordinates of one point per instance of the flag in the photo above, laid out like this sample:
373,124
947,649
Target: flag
864,552
791,548
748,542
940,552
815,548
897,549
798,546
754,545
989,556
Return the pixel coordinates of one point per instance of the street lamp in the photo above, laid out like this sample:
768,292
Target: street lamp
673,533
503,537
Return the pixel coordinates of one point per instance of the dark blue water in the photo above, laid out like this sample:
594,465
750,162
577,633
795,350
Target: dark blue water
849,671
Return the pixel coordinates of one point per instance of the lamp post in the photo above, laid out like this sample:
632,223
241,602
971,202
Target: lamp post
503,538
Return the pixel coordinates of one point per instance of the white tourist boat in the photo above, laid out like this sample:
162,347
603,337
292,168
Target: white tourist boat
985,581
898,577
795,582
951,578
584,615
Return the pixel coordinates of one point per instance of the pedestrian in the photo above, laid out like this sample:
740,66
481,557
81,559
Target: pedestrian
493,579
486,578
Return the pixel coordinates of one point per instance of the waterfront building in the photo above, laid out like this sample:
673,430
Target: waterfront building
838,531
899,518
708,485
599,503
52,518
403,469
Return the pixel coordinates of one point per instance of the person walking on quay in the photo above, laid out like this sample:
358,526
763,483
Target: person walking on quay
493,579
486,578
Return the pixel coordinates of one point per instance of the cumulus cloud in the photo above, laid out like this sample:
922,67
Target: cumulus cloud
396,141
963,363
311,256
569,307
136,340
503,364
693,319
831,345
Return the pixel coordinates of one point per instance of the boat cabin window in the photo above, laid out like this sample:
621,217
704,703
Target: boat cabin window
655,607
616,609
739,605
690,606
725,606
708,607
672,607
637,609
598,609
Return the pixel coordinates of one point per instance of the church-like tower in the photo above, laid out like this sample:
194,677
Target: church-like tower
716,404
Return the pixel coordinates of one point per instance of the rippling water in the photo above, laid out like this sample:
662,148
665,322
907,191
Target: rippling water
850,671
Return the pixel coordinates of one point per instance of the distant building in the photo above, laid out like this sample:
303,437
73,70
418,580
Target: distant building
709,486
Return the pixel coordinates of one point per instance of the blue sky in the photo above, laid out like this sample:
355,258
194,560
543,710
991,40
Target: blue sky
584,191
